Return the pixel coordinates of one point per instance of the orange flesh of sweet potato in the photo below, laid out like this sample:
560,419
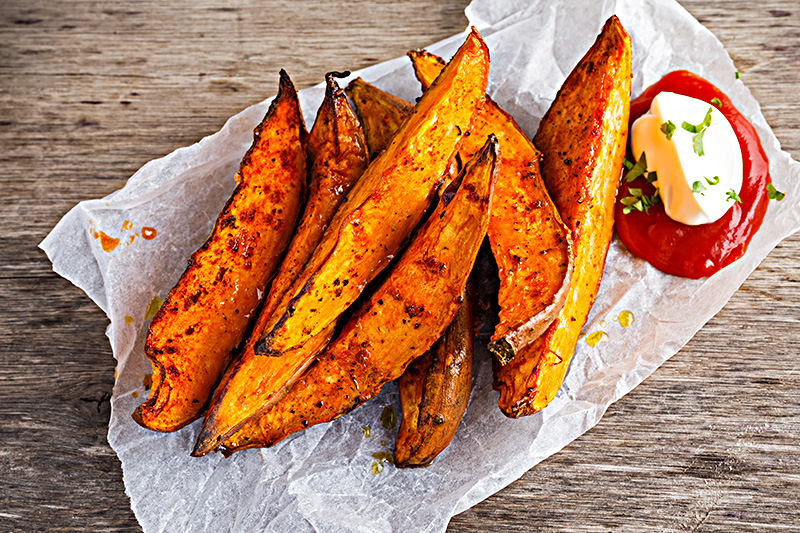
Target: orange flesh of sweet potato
582,137
381,210
385,205
337,157
381,113
434,391
205,315
399,322
530,243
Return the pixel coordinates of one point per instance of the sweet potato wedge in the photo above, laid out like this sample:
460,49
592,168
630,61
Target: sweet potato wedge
192,337
434,391
365,234
402,319
337,157
385,113
381,113
582,137
386,204
529,241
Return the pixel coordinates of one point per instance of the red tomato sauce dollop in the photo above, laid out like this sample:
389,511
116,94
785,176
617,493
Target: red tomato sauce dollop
697,251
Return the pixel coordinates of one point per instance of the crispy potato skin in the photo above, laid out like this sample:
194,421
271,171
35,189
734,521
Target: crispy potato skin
399,322
434,391
385,205
529,241
204,316
582,138
381,113
427,67
365,234
337,157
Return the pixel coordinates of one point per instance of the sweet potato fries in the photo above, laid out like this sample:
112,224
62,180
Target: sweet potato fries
400,198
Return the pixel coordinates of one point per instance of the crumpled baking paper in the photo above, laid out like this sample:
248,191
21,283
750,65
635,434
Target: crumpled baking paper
321,479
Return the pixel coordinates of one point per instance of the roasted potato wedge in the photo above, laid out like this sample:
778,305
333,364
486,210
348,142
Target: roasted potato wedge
434,391
530,243
582,137
365,234
385,205
381,113
337,157
399,322
192,337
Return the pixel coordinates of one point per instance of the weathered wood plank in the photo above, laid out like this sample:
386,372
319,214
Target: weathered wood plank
90,91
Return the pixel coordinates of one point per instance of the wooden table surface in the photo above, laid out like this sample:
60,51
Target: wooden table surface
90,91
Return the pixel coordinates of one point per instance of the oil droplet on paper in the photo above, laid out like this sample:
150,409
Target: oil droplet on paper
108,243
148,233
135,394
147,381
593,339
389,417
152,308
126,225
625,319
367,432
381,459
603,323
128,319
384,457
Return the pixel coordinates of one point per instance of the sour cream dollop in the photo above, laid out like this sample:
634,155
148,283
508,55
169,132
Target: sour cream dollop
695,189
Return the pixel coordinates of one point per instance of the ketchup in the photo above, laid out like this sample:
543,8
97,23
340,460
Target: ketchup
697,251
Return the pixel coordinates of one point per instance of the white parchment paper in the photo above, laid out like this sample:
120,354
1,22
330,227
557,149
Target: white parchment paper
320,480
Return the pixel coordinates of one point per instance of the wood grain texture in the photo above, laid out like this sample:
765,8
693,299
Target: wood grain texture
90,91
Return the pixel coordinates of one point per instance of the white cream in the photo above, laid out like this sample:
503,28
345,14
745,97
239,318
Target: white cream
677,165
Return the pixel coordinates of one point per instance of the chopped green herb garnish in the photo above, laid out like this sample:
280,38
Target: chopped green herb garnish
738,74
651,177
629,200
668,128
627,164
637,170
707,119
712,181
716,101
731,194
698,187
366,431
637,205
697,143
691,128
773,193
699,131
638,201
